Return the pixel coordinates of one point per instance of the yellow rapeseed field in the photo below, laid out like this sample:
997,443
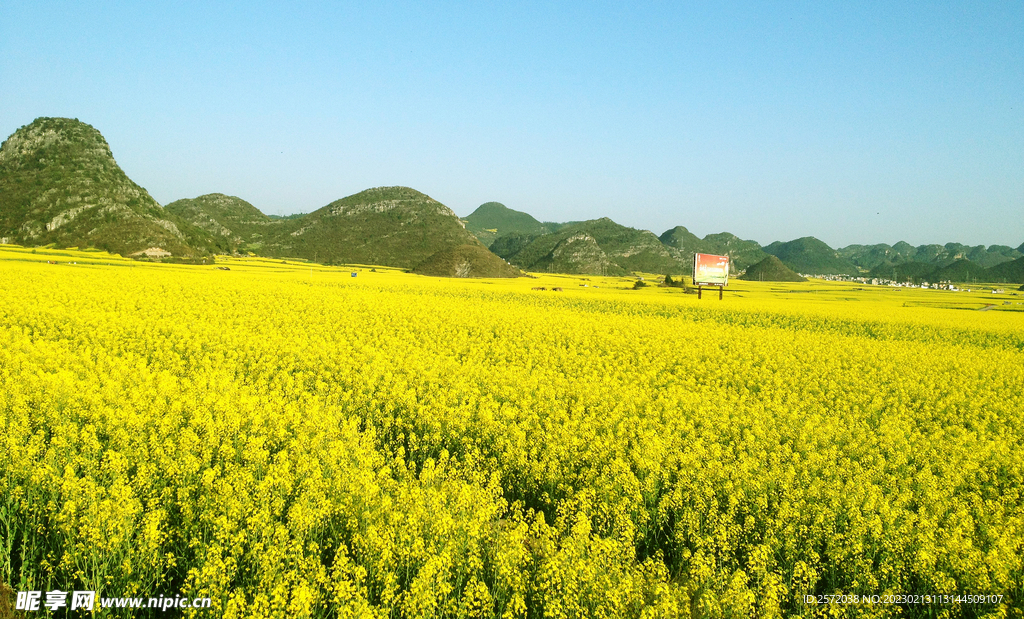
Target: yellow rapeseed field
293,441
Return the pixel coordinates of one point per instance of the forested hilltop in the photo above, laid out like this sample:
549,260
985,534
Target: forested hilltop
60,184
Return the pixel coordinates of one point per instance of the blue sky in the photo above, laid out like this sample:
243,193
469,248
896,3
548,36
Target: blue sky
851,122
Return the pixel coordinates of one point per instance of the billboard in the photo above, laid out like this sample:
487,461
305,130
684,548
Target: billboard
710,270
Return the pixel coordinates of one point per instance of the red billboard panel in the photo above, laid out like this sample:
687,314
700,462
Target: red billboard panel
710,270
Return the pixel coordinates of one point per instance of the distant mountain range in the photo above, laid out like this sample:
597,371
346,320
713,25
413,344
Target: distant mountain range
60,185
599,246
602,246
741,253
870,256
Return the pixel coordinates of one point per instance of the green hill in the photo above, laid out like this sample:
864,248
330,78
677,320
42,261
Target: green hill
465,261
509,245
741,253
931,254
961,270
916,272
238,224
599,247
993,255
870,256
60,184
1008,272
493,219
684,243
771,269
904,272
577,253
392,226
554,226
809,255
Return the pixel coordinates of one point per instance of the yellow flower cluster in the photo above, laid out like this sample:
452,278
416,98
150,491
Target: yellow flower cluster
293,441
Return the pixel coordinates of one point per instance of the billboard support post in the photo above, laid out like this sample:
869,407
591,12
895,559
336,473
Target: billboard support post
701,289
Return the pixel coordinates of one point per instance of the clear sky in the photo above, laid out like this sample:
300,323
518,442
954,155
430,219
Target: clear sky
854,122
